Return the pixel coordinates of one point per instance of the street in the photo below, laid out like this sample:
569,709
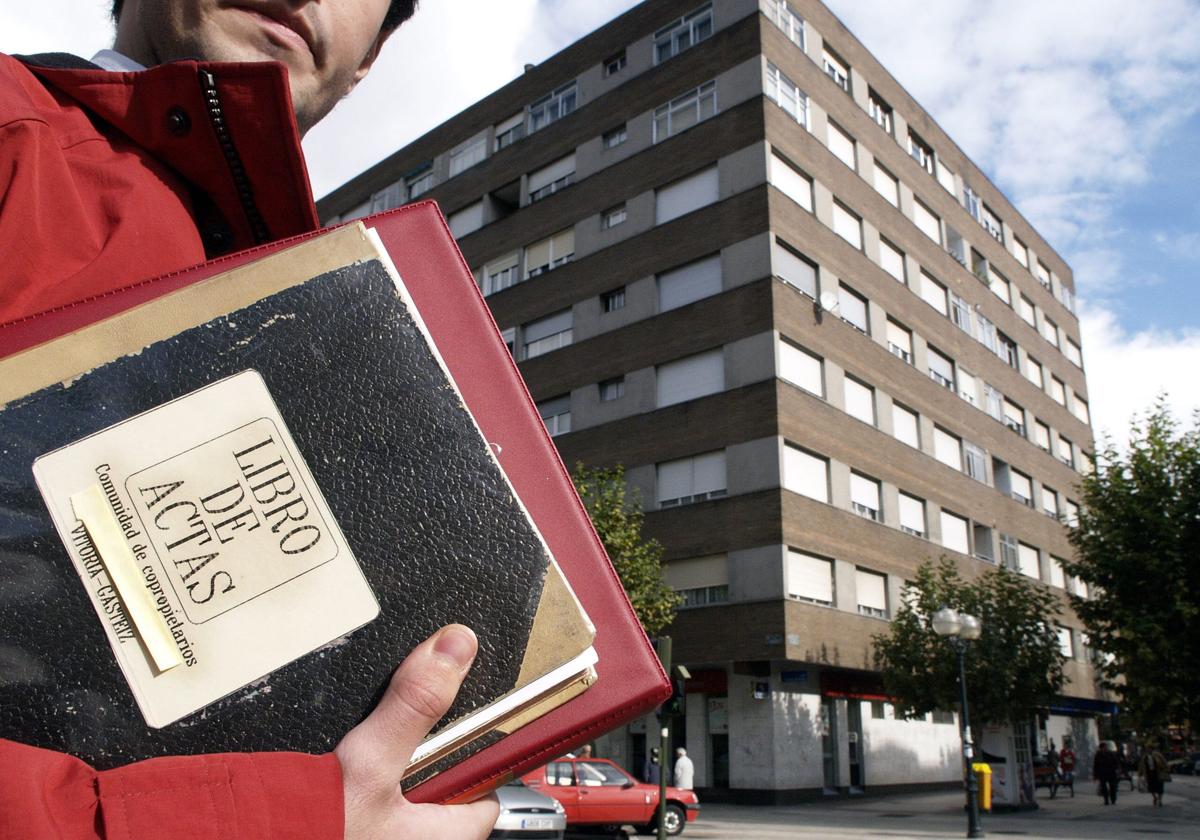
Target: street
940,815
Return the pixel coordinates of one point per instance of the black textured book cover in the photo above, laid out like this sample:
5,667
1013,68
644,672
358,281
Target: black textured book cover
425,509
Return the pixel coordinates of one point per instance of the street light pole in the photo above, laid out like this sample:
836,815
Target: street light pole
961,628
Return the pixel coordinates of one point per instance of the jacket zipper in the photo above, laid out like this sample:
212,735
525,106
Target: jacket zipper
237,169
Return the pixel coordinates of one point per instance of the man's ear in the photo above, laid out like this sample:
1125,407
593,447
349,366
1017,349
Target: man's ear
369,59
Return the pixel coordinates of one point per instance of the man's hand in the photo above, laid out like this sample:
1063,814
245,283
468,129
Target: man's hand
375,753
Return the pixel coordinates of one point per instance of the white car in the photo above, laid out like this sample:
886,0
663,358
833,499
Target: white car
527,814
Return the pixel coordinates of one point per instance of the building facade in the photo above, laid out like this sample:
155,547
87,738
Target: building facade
731,253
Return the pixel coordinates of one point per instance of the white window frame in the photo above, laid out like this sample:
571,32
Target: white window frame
683,34
786,94
553,106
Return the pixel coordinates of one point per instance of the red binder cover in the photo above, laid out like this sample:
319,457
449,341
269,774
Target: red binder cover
631,680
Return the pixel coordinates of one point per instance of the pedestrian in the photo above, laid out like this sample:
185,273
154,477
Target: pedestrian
1153,768
585,751
1066,765
1106,768
651,770
684,770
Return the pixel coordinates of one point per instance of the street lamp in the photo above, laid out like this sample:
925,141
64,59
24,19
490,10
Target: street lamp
961,628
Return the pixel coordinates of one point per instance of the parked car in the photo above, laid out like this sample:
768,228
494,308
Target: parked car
527,814
596,792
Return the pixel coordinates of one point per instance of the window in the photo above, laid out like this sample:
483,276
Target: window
789,180
1050,331
1027,561
781,13
887,185
683,112
847,225
1049,502
419,184
1066,644
943,717
1006,349
972,203
905,427
1057,576
954,532
810,578
941,369
912,515
993,402
613,216
956,246
467,220
614,137
1014,417
704,596
801,368
547,334
509,336
1041,434
1058,391
548,254
899,341
1071,515
560,773
686,32
879,110
921,152
945,177
552,107
387,198
612,301
786,94
614,64
1003,475
947,448
1042,273
879,710
510,131
999,285
685,195
871,589
1025,309
985,331
1074,354
928,223
556,414
1079,408
1020,487
1065,451
859,400
1033,371
1066,296
981,536
991,223
694,479
976,461
853,308
960,314
691,377
502,273
689,283
700,580
934,293
468,154
836,69
891,259
864,497
612,389
793,268
1008,552
550,179
1018,250
805,474
842,145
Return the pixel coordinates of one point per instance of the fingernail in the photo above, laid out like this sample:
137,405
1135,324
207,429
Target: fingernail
457,643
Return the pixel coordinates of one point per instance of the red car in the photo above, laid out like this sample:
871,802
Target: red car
595,791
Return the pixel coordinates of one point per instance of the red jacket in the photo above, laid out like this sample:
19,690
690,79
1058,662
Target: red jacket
107,178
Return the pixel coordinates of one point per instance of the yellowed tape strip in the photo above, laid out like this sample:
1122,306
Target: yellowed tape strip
91,508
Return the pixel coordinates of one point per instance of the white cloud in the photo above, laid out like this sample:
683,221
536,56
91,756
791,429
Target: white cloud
1127,370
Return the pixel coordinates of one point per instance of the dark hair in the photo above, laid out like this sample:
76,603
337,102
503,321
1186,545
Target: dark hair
398,12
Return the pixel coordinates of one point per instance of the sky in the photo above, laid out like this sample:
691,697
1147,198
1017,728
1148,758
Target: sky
1084,112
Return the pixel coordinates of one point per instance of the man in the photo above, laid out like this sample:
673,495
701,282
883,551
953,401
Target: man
684,771
1106,768
107,178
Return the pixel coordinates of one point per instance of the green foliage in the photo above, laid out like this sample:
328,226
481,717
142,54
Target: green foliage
1138,549
1014,667
617,517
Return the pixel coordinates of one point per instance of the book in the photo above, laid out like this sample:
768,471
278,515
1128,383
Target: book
630,678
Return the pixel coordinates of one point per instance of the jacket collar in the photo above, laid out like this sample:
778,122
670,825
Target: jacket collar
240,150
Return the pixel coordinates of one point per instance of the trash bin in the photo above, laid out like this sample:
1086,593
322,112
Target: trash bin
983,773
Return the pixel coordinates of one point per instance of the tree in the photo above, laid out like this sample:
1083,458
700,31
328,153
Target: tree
1138,549
1014,668
617,516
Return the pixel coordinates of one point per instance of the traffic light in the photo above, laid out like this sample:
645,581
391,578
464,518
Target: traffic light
673,705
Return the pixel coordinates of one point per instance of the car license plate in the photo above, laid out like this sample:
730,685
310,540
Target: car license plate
537,822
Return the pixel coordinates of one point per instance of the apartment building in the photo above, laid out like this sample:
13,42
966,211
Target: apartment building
730,252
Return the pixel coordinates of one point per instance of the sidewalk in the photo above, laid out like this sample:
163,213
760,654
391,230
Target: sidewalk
941,815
